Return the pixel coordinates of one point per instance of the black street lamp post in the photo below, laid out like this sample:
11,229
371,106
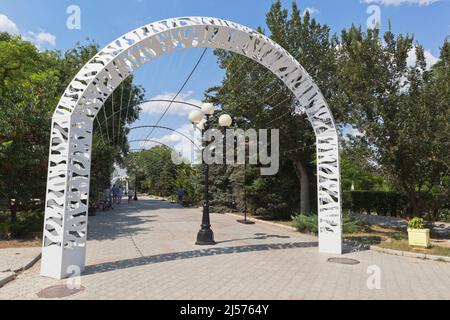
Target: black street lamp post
206,236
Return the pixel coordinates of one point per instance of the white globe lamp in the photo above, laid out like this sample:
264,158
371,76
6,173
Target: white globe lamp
208,109
225,121
195,116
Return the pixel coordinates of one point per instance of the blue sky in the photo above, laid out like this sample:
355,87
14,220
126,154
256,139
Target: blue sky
44,22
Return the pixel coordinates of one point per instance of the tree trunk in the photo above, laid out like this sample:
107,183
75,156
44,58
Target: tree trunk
414,203
303,178
413,200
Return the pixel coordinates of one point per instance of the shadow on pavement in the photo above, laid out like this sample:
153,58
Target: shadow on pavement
165,257
117,226
258,236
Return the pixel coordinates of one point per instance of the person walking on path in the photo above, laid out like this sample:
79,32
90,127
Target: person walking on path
115,193
181,195
130,195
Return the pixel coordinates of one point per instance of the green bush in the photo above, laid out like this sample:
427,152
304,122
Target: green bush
304,223
261,212
10,230
27,223
444,215
352,224
416,223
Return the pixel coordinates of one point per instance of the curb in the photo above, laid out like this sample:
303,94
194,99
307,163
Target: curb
410,254
29,264
8,276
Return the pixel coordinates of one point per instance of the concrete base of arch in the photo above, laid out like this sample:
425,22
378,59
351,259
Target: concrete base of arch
68,262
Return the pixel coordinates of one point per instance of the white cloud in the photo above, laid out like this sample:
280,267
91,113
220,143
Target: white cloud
174,137
311,11
178,142
7,25
176,108
43,38
400,2
429,58
148,144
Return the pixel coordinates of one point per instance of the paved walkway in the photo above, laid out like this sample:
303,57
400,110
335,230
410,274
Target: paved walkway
16,259
146,250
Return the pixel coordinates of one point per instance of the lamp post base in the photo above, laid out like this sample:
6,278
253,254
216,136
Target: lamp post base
245,221
205,238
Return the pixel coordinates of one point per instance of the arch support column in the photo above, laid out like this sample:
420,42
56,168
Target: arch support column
329,194
67,201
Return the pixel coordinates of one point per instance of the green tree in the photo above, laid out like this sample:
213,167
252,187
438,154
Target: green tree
188,176
253,93
134,166
154,169
401,111
31,84
28,95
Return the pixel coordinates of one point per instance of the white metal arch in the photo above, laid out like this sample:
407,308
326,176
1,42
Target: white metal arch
66,211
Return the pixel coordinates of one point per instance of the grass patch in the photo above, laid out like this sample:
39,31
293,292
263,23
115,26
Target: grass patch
375,234
403,245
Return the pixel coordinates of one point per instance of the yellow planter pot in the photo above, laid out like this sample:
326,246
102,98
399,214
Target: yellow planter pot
419,237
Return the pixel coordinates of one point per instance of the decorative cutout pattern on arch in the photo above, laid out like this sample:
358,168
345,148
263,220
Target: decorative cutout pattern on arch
66,212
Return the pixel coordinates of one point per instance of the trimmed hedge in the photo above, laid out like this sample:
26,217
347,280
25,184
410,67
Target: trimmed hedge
382,203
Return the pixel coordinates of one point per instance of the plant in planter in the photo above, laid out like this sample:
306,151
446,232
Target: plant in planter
418,235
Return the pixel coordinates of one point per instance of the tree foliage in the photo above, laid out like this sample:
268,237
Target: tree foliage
31,84
400,109
253,93
153,172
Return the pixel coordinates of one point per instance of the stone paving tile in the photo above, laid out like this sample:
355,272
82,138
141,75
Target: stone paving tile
14,259
146,250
